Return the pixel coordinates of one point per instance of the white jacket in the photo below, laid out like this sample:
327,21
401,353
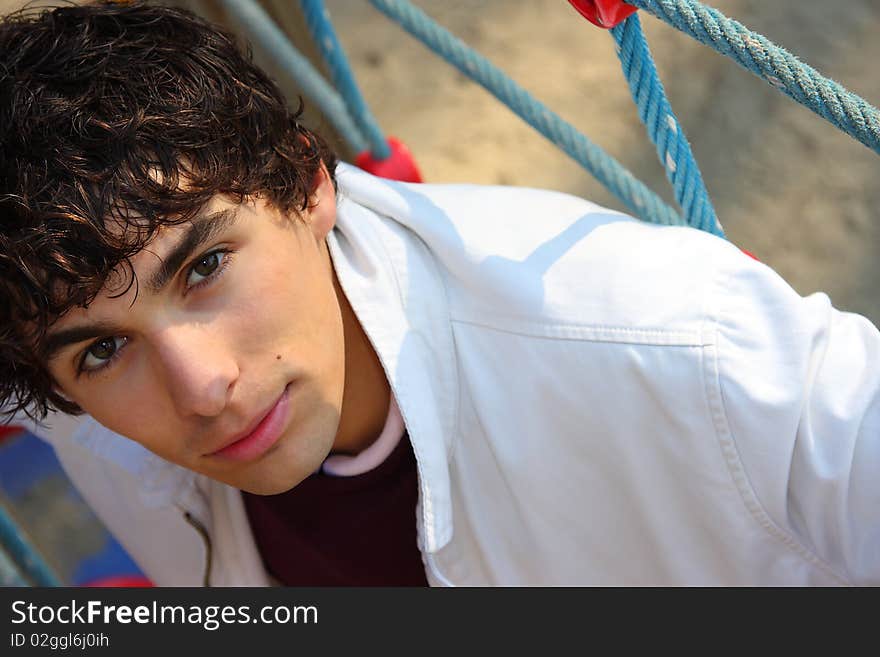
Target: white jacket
591,400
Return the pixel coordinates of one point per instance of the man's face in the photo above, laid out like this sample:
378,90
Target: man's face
229,361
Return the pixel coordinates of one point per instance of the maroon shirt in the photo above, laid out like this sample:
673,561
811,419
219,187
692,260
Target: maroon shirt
343,531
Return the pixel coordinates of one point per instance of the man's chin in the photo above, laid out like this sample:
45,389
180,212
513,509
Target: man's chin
270,488
298,454
279,474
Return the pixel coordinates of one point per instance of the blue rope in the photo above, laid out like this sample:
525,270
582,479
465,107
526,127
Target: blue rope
308,79
10,573
845,110
23,554
664,130
324,36
608,171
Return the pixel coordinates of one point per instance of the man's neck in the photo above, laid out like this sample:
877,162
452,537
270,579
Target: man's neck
366,394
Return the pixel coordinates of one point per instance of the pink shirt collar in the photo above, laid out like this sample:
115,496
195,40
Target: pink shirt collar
343,465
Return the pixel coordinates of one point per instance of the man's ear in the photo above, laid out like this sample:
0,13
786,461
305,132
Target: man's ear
322,204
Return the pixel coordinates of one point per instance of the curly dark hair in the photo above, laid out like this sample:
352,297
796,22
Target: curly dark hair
116,120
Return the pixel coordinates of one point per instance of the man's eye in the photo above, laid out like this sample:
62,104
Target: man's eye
100,353
205,267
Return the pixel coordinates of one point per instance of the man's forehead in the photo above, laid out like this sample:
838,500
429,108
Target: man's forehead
146,259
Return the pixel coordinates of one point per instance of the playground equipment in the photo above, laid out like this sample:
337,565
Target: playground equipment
342,103
40,507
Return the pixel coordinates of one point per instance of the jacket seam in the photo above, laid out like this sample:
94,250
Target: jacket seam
727,443
592,332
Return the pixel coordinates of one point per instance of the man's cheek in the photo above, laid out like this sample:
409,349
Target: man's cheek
276,302
134,409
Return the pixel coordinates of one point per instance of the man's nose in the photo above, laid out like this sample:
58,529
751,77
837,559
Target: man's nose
199,368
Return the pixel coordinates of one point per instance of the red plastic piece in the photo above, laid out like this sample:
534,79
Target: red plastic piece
604,13
400,165
121,581
7,431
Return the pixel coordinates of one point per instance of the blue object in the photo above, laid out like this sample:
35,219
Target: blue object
663,127
10,573
264,32
324,36
30,565
48,534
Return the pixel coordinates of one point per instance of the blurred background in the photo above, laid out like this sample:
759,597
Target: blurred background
787,185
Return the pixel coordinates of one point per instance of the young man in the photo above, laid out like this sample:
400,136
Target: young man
397,384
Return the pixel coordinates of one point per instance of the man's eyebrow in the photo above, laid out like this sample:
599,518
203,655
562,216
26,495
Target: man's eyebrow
58,340
199,231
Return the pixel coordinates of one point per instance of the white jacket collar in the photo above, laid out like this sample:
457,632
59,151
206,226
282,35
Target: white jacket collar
399,296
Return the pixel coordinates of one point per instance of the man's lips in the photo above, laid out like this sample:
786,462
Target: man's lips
254,442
